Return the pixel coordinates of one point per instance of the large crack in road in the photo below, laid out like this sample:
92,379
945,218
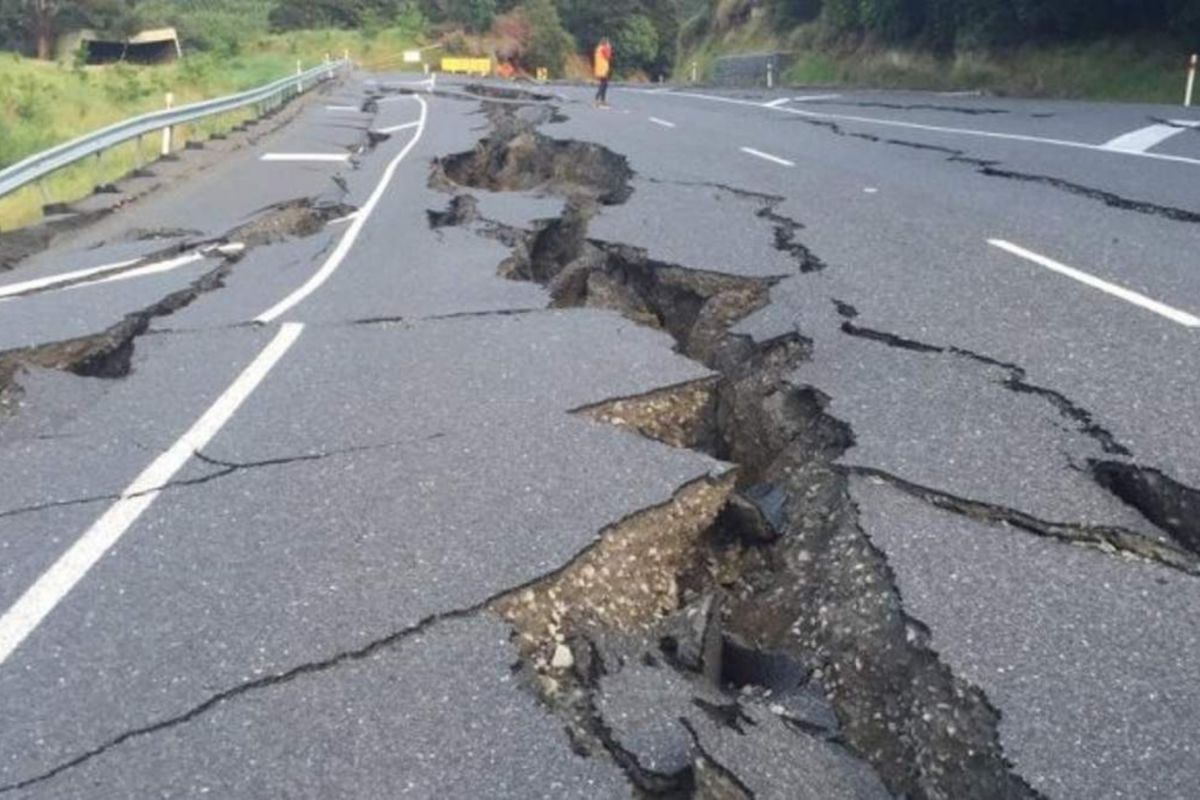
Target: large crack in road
785,564
925,733
748,626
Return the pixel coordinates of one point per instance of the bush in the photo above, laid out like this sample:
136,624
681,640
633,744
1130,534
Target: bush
636,44
549,42
475,15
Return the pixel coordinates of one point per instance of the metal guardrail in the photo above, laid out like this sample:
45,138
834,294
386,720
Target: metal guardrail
39,165
746,71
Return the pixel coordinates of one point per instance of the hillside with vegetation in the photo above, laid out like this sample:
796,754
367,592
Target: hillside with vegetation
1100,49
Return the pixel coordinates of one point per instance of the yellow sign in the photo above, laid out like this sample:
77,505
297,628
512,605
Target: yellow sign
467,66
543,74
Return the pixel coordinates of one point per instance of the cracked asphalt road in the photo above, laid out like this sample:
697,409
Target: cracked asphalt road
301,604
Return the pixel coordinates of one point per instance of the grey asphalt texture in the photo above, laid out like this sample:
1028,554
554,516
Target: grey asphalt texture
302,611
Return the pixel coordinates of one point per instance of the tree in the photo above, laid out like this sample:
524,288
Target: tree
636,43
475,15
42,24
589,21
39,22
549,43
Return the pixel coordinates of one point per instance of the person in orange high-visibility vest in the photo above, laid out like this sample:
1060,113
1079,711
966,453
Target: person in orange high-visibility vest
603,71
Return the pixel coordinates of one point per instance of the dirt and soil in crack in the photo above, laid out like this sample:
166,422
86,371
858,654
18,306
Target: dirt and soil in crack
766,563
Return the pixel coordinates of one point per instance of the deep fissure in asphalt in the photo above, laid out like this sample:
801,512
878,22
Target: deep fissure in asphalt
794,577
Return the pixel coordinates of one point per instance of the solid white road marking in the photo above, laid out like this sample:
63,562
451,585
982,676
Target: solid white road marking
767,156
351,236
49,590
1014,137
814,97
344,108
1143,139
140,272
398,97
398,128
79,278
662,122
342,220
776,103
1140,300
306,157
65,277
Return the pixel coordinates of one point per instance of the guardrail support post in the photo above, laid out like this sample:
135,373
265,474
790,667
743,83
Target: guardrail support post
1191,81
299,77
166,132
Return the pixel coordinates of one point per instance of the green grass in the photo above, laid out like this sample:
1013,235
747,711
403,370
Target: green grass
1128,70
45,103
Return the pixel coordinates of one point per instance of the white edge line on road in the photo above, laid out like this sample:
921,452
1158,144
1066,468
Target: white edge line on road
351,236
140,272
777,103
814,97
355,109
305,157
65,277
1015,137
398,97
48,591
662,122
398,128
767,156
1143,139
342,220
1140,300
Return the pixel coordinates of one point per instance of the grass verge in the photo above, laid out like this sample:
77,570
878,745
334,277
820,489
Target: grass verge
1124,70
43,104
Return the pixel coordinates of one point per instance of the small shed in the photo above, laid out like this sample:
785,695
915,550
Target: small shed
157,46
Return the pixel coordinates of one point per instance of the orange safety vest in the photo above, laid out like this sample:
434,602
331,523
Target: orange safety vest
603,60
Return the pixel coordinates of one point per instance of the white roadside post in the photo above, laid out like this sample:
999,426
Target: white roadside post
1191,81
299,77
695,70
770,73
328,66
166,132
